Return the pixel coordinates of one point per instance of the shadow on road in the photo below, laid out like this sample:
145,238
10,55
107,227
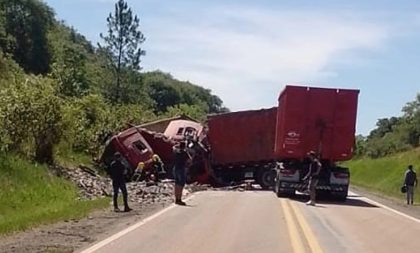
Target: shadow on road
325,201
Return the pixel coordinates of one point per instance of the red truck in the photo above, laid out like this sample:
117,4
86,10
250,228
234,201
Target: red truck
242,145
320,120
268,145
137,144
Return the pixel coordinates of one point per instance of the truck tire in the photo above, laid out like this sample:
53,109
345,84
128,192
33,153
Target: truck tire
266,178
282,193
342,197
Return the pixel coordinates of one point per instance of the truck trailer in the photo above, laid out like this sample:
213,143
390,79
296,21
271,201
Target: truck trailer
241,145
319,120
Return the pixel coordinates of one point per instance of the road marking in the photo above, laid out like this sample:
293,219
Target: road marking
295,239
120,234
386,207
307,231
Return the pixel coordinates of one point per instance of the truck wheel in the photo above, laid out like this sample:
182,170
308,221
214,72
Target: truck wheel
282,193
266,179
342,197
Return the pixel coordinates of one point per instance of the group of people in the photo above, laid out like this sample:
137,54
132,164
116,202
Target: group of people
118,173
118,170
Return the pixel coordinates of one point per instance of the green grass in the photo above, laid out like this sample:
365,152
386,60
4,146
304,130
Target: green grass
385,175
30,196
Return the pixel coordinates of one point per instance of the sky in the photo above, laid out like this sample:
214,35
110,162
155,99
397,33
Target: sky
247,51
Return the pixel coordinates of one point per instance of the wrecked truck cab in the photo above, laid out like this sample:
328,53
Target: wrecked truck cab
179,130
138,144
132,146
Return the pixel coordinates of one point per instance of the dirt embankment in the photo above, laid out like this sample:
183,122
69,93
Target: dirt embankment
70,235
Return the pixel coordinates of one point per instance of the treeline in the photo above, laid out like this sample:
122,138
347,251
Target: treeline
59,92
392,135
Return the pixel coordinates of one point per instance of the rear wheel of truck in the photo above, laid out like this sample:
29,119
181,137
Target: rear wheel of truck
283,193
342,197
266,178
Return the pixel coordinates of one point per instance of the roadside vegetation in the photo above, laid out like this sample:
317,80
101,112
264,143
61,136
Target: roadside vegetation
30,195
382,157
385,175
393,135
61,96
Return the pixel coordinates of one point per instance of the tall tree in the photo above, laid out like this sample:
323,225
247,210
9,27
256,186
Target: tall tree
122,44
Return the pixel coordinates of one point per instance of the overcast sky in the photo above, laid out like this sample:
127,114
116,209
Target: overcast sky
246,51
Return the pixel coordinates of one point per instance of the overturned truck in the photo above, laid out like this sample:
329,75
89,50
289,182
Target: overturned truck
267,145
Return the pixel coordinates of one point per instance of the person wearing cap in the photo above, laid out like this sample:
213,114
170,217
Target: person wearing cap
410,181
117,173
313,176
179,171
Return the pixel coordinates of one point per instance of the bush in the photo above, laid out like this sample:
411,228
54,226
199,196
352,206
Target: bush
87,120
30,115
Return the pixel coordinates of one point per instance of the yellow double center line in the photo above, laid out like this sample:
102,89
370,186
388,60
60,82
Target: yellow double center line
296,223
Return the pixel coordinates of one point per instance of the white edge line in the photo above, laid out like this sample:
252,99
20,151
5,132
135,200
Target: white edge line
120,234
387,208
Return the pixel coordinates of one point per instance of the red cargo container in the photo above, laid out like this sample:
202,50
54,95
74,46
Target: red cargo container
242,137
318,119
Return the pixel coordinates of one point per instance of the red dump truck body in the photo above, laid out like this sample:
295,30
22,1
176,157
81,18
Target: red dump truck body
316,119
242,137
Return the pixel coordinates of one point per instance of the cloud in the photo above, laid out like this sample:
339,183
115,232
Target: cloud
246,55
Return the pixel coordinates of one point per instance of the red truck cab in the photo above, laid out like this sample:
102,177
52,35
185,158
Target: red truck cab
132,146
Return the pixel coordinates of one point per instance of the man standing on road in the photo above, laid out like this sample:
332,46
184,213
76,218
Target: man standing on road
179,170
313,175
410,181
117,173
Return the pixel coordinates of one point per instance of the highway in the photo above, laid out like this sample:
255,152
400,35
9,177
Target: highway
258,221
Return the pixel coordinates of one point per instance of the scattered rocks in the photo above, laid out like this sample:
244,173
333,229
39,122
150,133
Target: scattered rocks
93,185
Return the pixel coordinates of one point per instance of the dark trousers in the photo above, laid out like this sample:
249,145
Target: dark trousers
117,185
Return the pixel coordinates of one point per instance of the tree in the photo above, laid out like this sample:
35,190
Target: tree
360,145
384,126
70,71
122,44
412,119
26,26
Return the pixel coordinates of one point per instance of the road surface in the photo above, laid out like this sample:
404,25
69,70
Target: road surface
258,221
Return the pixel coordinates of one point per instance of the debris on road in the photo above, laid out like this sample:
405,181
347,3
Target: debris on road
93,185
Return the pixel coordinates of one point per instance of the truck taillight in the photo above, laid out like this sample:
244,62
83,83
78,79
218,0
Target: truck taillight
341,175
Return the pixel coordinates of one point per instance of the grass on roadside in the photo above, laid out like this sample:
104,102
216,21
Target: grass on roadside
385,175
30,196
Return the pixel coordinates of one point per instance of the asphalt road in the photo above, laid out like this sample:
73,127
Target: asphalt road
217,221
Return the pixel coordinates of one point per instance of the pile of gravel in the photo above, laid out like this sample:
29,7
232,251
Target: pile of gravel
92,185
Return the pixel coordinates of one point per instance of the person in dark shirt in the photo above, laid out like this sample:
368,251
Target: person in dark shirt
179,171
313,176
410,181
117,174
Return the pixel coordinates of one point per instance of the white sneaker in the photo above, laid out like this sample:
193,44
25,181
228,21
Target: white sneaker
310,203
